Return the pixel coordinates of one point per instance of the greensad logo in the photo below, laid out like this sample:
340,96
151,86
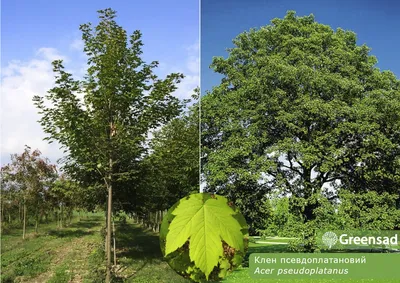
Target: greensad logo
386,239
329,239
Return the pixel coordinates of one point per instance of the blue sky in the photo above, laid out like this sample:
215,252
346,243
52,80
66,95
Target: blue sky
36,32
167,26
376,24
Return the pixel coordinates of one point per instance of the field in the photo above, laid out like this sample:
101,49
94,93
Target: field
76,254
70,254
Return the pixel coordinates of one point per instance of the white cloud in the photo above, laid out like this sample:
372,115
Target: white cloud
191,70
50,54
193,62
77,44
19,83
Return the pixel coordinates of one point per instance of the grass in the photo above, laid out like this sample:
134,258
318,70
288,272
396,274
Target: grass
52,255
141,261
140,257
76,254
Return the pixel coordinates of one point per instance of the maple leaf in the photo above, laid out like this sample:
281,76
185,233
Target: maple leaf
205,221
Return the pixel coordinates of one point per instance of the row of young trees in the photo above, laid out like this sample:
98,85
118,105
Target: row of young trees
32,191
105,135
302,111
109,159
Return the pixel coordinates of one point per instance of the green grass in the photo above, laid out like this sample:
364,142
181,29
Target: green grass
274,240
76,253
53,254
141,259
140,256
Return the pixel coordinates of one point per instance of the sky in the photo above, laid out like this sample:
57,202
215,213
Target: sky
34,33
376,23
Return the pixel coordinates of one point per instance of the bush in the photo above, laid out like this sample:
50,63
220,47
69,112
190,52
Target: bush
306,241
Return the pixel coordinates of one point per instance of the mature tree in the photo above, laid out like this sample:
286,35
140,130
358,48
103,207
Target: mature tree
30,174
104,134
301,106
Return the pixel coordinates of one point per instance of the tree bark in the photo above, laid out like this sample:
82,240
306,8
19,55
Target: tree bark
24,221
108,238
2,211
61,215
115,255
37,219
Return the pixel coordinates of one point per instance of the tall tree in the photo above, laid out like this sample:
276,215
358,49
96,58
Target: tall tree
301,106
104,134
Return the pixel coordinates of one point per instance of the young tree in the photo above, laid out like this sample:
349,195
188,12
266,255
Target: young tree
173,164
301,106
30,174
104,134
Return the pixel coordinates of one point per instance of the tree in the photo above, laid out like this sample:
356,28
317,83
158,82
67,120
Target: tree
368,211
65,195
301,106
173,165
104,134
31,175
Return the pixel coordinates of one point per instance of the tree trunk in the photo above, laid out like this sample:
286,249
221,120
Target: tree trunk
24,222
115,256
58,218
37,218
2,212
61,215
308,192
108,238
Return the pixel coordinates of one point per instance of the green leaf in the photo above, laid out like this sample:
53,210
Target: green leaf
205,220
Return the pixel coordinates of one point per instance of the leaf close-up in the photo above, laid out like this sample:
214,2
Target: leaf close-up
205,221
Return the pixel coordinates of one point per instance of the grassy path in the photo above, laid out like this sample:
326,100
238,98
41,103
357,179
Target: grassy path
54,255
139,257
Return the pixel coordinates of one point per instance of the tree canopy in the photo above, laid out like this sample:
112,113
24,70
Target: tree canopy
301,107
172,167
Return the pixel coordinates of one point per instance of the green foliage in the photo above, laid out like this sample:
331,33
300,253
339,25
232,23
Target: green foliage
283,220
251,200
306,240
300,106
26,181
171,170
203,237
105,133
368,211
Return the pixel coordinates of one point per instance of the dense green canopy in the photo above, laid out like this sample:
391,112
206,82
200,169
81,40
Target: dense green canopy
301,106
